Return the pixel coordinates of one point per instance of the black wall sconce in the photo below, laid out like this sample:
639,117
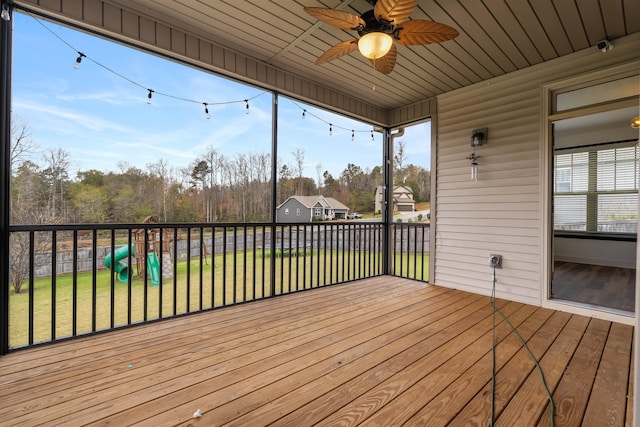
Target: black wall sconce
478,138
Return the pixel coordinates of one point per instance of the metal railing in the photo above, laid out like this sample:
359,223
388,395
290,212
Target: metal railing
81,279
410,244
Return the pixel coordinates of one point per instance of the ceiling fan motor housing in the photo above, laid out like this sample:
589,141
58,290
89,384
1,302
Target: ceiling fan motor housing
373,25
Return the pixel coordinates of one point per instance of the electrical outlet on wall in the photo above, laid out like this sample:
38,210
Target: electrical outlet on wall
495,261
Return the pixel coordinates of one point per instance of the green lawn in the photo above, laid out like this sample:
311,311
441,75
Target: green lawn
291,273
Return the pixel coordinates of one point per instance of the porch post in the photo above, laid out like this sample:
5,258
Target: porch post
387,202
274,190
5,172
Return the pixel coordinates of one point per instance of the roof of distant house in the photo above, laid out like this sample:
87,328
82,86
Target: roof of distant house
312,201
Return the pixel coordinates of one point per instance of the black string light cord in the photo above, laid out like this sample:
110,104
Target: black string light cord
526,347
332,126
82,55
206,104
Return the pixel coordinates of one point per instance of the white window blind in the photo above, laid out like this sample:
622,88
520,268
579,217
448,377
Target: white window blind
596,191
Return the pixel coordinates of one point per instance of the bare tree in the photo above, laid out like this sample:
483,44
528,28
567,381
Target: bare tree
56,175
298,156
216,164
24,202
22,146
161,171
319,174
399,158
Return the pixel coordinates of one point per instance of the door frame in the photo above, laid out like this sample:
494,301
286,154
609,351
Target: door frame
548,116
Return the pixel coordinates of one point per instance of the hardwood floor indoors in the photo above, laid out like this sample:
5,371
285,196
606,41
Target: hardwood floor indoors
603,286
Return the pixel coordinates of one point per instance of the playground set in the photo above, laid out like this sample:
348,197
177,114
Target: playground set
137,251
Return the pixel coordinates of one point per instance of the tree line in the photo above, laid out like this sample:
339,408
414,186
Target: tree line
214,188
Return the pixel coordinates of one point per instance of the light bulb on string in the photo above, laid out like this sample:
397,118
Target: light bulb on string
372,139
76,64
304,114
246,111
5,15
149,96
353,135
206,110
330,129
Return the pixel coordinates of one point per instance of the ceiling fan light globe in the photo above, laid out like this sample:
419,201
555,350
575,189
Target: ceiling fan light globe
375,45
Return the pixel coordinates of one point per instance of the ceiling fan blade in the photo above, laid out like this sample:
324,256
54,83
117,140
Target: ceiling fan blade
337,18
418,32
337,51
386,63
394,11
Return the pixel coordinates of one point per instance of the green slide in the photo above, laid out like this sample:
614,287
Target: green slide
153,268
120,268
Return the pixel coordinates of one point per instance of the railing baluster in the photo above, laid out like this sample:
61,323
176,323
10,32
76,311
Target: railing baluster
188,296
213,266
203,258
244,263
129,275
145,266
304,258
175,270
342,277
161,250
94,281
235,265
54,274
224,265
297,259
264,277
346,253
253,262
289,281
32,290
74,285
112,281
324,251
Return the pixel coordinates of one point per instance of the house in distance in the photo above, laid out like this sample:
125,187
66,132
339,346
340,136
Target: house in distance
306,208
402,199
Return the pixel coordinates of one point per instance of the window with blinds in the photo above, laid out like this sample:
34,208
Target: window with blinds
596,191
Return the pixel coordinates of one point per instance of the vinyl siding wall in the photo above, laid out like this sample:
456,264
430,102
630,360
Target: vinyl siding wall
503,213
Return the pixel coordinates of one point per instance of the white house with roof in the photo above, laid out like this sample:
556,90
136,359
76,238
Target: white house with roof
306,208
402,199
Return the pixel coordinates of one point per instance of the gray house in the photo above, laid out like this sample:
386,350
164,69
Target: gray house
305,208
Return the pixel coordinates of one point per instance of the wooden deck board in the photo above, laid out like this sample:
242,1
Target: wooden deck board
608,400
382,351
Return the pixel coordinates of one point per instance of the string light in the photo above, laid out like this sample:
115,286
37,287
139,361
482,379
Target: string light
305,112
5,15
76,64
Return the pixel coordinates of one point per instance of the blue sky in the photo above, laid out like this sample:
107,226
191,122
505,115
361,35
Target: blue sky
103,119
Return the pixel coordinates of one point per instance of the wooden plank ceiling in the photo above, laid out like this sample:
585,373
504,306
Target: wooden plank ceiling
496,37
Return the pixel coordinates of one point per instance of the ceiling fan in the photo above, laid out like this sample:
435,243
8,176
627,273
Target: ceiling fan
378,29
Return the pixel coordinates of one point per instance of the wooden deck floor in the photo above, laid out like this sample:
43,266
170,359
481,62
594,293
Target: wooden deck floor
382,351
